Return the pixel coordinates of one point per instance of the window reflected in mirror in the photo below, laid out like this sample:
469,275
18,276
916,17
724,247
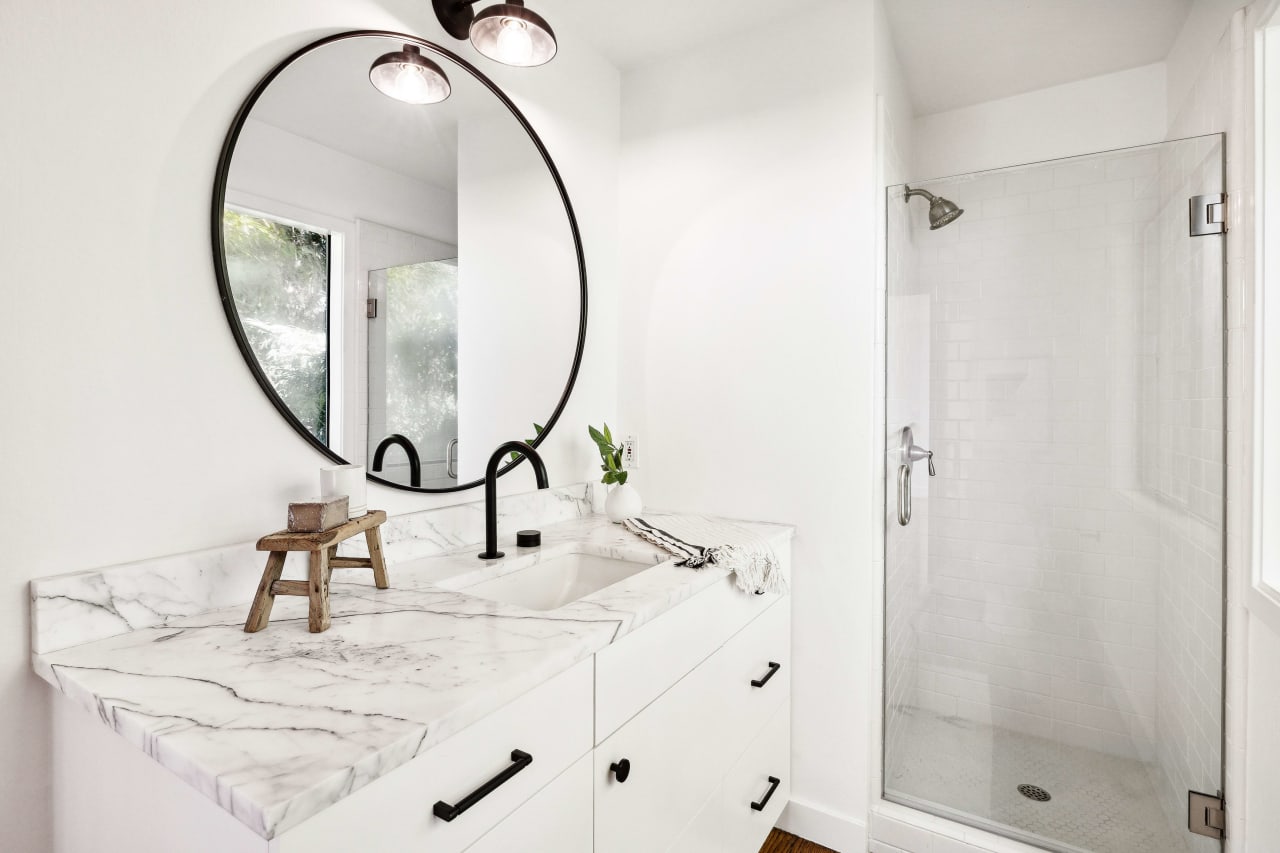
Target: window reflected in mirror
281,271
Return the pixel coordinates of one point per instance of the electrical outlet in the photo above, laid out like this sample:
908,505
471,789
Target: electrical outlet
629,458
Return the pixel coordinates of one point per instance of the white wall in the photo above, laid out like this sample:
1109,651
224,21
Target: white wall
1196,42
275,164
747,341
133,427
518,291
1098,114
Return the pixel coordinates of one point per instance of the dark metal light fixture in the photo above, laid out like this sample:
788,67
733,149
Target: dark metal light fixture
506,32
409,76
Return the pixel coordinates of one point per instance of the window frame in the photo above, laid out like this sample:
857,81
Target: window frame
1263,595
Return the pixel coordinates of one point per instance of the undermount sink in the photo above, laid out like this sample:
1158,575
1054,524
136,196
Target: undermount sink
555,581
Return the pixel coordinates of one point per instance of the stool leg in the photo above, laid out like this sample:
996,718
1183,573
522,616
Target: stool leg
374,539
318,578
260,612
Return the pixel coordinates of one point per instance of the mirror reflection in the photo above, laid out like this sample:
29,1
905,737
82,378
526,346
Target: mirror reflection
403,271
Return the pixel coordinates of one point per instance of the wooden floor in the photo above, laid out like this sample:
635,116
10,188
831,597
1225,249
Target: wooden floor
781,842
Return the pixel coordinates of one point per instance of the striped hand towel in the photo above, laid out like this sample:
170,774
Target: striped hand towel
731,547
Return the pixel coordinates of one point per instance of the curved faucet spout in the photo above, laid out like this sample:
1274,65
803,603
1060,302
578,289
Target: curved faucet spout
491,551
415,463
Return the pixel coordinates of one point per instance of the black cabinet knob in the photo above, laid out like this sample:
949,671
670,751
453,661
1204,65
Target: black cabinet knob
621,769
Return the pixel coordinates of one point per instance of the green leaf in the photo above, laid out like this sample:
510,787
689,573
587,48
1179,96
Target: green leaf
608,436
610,478
596,435
622,477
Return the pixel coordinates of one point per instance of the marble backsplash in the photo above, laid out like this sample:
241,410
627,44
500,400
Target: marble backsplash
84,606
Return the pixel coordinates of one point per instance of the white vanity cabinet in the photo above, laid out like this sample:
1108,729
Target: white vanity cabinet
695,705
683,750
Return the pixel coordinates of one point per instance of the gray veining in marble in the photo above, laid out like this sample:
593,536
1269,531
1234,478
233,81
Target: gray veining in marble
277,725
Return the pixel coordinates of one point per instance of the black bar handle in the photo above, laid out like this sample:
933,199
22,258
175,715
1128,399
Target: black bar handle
519,761
761,682
774,782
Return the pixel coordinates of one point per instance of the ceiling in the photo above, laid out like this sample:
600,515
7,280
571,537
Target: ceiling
952,57
633,34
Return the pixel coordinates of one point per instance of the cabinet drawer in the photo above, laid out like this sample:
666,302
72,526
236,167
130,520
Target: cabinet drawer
728,823
680,747
551,723
749,781
556,820
634,671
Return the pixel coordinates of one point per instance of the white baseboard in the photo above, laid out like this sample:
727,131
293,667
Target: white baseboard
842,833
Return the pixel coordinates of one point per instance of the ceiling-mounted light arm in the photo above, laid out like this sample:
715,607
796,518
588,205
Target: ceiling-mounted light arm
505,32
456,16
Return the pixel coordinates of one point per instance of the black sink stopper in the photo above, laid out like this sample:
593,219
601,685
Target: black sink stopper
529,538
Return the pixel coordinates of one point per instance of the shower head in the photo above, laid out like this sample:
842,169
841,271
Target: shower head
941,211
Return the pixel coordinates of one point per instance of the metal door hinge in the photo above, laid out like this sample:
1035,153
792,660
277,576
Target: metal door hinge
1208,214
371,308
1206,814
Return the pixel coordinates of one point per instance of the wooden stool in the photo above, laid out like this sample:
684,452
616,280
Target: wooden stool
324,559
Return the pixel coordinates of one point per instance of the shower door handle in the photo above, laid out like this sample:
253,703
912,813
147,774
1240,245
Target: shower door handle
911,453
904,495
451,459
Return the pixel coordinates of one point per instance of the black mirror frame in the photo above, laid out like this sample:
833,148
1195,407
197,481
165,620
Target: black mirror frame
224,283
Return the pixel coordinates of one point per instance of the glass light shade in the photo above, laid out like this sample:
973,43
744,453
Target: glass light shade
511,34
410,77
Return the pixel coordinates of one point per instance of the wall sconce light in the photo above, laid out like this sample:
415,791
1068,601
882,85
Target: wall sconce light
409,76
506,32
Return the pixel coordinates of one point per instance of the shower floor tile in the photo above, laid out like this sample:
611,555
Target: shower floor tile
1100,803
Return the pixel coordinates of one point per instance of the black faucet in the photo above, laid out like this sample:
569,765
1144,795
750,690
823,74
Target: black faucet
491,551
415,464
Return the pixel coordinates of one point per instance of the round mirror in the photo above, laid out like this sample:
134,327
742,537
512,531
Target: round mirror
398,259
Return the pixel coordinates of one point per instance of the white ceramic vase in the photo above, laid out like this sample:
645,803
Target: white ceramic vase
622,503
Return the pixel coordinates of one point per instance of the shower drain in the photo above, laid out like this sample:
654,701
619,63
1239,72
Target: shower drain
1034,792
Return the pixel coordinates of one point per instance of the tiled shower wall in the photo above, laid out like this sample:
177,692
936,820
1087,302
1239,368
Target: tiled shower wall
1044,547
1183,443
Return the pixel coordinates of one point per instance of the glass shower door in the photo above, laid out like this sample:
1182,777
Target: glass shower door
1054,595
413,369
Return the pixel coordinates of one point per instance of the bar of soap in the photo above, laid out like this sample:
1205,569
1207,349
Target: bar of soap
317,514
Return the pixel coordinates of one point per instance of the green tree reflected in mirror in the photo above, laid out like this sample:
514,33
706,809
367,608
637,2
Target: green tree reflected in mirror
282,297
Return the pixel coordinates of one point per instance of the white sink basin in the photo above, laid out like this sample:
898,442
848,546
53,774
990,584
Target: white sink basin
555,581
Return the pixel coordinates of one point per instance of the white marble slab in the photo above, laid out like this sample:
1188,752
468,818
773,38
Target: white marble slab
277,725
81,607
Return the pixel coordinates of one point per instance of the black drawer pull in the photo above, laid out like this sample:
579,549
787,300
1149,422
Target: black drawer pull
621,769
761,682
519,761
774,782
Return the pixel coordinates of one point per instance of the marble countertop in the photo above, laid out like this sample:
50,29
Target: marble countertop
277,725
